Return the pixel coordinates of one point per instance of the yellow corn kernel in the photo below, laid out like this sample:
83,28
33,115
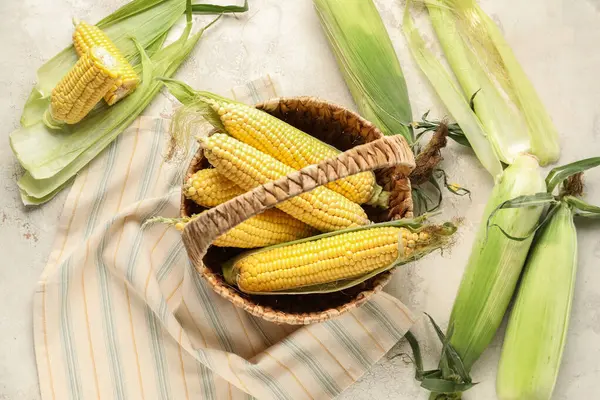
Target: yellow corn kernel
84,85
266,229
248,167
86,36
320,261
209,188
291,146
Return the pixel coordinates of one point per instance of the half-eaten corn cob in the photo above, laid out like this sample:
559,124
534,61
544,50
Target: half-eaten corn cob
87,36
248,167
84,86
208,188
331,258
291,146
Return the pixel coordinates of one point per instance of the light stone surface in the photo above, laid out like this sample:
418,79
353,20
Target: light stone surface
556,42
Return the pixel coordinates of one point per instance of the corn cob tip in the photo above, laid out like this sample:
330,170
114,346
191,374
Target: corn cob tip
208,188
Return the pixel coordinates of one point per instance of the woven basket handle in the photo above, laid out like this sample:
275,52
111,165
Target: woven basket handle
381,153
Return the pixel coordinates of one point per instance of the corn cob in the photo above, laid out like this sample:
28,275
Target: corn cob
84,85
266,229
292,147
246,166
86,36
208,188
495,263
341,256
537,328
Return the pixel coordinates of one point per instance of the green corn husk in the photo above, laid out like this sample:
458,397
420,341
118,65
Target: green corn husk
534,344
538,324
506,128
453,98
368,62
512,114
537,328
495,264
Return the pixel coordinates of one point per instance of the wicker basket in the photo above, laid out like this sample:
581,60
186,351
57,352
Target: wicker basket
365,149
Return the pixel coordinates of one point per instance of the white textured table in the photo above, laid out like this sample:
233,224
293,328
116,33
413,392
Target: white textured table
556,41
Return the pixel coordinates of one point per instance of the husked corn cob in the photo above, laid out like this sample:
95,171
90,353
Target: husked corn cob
248,167
329,259
266,229
292,147
83,86
86,36
208,188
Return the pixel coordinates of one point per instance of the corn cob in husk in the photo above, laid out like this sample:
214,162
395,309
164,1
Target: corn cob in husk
334,261
538,324
496,262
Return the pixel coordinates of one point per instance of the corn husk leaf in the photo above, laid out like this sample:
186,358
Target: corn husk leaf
541,199
84,141
559,174
452,97
368,62
480,56
215,9
582,208
433,379
504,125
36,201
440,236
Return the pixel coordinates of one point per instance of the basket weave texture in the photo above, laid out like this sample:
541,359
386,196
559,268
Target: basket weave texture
364,148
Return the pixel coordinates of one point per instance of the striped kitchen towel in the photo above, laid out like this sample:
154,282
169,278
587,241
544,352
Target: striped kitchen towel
119,312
